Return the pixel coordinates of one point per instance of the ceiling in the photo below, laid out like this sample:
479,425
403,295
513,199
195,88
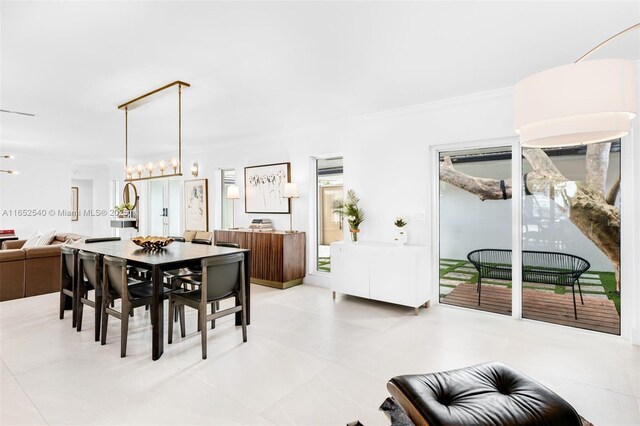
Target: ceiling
260,69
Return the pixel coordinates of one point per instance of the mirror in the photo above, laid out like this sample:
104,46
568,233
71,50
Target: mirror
130,195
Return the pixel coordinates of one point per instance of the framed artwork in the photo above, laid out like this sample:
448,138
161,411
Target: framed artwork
74,204
264,186
196,205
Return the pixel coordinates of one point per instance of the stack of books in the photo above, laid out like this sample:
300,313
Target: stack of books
261,225
7,234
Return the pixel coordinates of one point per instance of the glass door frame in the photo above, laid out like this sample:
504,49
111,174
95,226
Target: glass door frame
312,257
629,243
166,196
516,211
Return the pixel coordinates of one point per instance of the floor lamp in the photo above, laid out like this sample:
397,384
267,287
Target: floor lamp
290,191
233,193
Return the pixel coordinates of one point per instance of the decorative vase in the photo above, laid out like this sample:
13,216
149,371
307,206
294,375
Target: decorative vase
354,235
401,236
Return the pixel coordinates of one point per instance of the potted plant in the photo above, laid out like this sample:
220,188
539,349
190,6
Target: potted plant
401,233
124,209
350,209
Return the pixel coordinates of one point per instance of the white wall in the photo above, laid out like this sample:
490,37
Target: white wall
35,199
84,224
32,200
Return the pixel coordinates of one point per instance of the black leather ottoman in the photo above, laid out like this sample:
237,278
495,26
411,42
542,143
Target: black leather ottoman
485,394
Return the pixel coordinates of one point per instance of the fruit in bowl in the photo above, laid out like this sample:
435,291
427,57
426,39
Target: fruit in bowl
152,243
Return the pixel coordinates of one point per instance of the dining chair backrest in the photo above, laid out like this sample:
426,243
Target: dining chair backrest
178,239
68,264
201,241
89,265
115,274
100,239
227,244
222,274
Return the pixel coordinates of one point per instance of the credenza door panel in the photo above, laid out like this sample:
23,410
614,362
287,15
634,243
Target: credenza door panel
381,271
393,274
350,270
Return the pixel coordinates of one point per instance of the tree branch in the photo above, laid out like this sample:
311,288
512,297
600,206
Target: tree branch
485,189
613,192
597,167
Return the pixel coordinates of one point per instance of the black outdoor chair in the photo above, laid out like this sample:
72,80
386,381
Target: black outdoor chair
537,266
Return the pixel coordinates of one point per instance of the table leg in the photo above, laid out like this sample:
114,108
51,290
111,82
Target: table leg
157,313
247,289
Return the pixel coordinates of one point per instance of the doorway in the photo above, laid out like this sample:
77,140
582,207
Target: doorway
329,184
165,207
475,222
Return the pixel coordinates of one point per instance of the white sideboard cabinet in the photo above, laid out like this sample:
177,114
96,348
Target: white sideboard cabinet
381,271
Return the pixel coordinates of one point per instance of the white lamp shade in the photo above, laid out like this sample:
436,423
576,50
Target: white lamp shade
290,190
576,104
233,192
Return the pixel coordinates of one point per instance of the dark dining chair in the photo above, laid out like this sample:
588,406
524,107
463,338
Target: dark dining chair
222,278
227,244
201,241
89,267
117,285
178,239
68,273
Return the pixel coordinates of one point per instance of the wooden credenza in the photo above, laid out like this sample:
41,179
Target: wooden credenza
278,259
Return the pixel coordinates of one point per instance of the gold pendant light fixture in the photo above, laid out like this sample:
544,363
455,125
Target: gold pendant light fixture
146,171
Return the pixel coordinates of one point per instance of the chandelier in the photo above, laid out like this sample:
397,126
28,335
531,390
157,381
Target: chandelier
151,170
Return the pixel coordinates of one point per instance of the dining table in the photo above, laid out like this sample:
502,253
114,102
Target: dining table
174,256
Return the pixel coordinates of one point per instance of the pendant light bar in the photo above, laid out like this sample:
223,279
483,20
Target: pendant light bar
130,171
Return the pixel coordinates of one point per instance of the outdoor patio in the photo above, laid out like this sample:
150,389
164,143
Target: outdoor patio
541,302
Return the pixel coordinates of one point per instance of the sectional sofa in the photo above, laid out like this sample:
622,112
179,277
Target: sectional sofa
31,271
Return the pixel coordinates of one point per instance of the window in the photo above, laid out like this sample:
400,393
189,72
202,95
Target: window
228,178
329,178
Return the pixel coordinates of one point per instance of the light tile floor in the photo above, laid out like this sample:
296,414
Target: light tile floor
309,360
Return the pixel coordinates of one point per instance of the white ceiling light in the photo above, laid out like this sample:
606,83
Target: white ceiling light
577,104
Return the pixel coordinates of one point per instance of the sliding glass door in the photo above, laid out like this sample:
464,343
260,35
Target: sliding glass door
475,229
571,236
569,259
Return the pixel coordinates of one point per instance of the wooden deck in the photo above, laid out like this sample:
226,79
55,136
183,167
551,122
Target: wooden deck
596,314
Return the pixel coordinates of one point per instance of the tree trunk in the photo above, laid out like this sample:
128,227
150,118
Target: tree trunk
589,209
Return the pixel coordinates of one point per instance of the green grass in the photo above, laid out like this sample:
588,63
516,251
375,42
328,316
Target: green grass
608,280
324,264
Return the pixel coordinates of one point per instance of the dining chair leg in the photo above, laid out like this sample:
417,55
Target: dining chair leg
213,311
244,320
203,331
171,314
199,320
243,300
105,323
124,331
63,298
98,316
80,310
182,321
